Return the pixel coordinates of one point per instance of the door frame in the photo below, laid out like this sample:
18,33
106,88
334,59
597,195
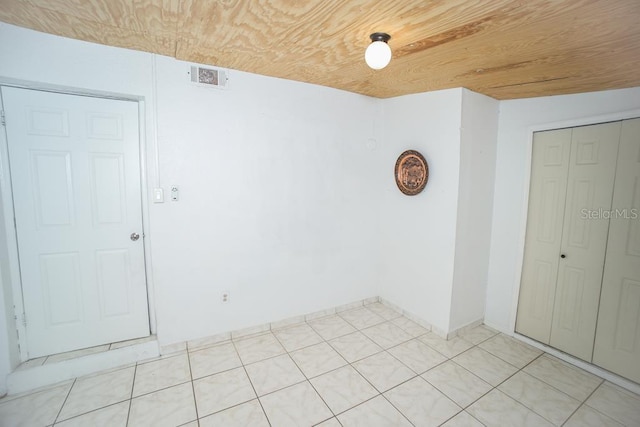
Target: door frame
583,121
6,195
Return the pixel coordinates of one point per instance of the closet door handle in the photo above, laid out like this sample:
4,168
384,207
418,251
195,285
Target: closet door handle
563,256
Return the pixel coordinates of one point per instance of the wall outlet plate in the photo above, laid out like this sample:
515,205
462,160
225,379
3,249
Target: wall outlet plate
225,296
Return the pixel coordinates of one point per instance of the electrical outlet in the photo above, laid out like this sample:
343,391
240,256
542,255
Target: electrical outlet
224,297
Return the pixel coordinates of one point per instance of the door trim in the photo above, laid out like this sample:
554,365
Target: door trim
6,195
584,121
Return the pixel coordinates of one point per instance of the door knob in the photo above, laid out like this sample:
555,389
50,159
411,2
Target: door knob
563,256
134,236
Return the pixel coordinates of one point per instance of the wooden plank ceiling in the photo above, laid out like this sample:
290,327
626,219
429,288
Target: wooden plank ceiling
502,48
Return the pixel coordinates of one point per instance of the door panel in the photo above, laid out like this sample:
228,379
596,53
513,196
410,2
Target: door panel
617,342
52,189
62,290
75,171
594,152
550,165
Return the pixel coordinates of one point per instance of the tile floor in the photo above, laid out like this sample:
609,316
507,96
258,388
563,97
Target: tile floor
363,367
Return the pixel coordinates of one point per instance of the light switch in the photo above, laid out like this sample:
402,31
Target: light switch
158,195
175,193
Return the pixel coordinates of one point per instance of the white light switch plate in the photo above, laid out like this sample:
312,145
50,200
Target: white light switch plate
158,195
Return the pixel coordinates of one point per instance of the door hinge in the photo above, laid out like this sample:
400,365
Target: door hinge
24,319
3,119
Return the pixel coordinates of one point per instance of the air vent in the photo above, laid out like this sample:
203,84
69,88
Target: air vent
210,77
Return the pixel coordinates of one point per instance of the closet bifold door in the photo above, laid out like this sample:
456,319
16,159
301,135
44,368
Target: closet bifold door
592,166
549,172
617,342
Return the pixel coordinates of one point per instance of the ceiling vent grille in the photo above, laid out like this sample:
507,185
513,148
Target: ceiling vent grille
209,77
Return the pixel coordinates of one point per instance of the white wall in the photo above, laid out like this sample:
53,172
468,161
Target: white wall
276,201
417,233
277,180
475,205
518,118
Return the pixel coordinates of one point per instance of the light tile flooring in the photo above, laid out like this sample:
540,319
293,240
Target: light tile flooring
363,367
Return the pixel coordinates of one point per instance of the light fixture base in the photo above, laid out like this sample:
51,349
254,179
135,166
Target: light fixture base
380,37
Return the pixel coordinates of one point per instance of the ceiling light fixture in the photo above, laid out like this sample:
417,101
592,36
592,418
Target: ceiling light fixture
378,53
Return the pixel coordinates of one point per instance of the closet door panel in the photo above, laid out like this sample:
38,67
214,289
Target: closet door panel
617,343
592,165
549,169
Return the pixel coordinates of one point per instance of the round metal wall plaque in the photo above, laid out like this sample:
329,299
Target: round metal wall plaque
412,172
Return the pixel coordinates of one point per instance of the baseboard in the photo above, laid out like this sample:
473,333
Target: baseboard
470,325
265,327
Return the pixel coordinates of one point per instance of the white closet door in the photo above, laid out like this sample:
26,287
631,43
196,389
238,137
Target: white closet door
594,152
549,170
617,344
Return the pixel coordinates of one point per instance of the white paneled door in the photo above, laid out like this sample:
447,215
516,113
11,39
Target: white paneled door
75,174
592,168
550,170
572,180
617,344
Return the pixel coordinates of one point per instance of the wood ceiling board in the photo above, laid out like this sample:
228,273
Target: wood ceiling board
503,48
48,21
529,53
114,13
159,19
330,35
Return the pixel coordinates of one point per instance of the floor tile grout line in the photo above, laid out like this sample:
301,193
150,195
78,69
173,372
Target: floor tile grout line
65,401
517,400
308,379
453,416
338,336
370,383
492,387
464,408
91,411
602,380
466,412
193,389
501,358
555,388
584,403
133,384
251,382
94,409
396,408
168,387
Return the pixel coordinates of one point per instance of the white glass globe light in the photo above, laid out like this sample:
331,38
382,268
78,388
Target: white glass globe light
377,55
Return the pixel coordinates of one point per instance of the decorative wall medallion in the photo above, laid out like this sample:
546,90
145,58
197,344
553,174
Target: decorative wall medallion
412,172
